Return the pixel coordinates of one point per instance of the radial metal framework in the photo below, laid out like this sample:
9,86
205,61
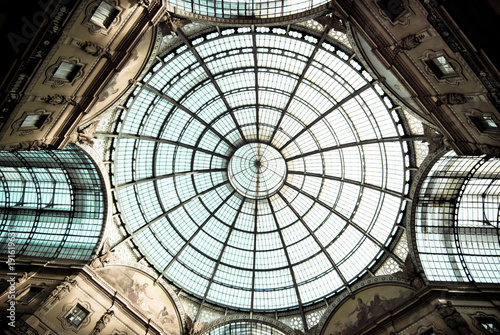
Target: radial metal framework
327,212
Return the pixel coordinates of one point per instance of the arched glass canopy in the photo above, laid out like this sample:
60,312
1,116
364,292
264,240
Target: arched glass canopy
244,9
261,169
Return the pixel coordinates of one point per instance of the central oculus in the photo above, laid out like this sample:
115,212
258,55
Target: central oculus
257,170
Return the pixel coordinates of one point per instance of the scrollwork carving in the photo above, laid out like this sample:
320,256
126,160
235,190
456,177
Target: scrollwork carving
84,135
93,49
332,21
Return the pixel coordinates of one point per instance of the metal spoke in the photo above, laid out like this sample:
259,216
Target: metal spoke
292,273
299,81
161,140
325,114
349,181
173,209
226,242
257,89
184,38
190,113
313,235
170,175
358,144
350,222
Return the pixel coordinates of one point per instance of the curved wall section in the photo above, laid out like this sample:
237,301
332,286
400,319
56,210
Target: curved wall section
456,220
51,203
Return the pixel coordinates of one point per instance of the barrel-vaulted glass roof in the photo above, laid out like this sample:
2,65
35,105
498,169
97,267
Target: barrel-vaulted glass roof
261,169
238,9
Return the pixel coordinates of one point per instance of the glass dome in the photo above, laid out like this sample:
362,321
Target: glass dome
261,169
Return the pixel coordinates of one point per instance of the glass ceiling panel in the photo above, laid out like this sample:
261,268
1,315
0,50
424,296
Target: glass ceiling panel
302,212
239,9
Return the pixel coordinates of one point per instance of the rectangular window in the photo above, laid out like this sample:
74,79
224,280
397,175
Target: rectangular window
441,67
104,15
491,325
66,71
393,8
34,120
77,315
32,292
485,123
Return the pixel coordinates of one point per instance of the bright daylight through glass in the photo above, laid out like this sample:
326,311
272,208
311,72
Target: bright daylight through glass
262,169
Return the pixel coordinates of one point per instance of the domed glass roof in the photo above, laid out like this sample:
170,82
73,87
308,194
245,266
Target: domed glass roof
260,169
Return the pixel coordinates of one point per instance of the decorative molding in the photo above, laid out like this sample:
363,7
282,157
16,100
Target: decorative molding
68,308
169,24
85,135
478,113
104,254
478,324
333,20
451,79
59,82
23,131
453,319
56,99
103,322
97,29
246,318
423,329
94,49
403,18
61,291
452,99
118,332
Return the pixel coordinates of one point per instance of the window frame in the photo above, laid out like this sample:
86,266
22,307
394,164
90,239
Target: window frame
104,28
68,309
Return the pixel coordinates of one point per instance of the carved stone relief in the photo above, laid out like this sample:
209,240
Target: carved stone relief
453,319
169,25
61,291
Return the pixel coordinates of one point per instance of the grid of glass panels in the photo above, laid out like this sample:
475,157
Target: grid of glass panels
238,9
51,203
457,220
246,328
315,105
257,170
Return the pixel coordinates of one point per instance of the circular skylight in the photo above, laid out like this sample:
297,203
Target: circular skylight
257,170
260,169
